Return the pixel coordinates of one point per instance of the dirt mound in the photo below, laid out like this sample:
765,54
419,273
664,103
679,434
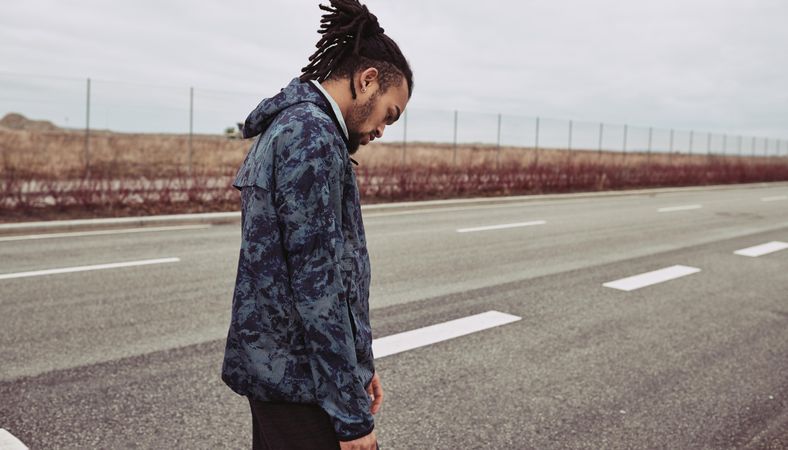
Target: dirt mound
15,121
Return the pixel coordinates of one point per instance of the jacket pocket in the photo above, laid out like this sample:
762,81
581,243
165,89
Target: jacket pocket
362,334
353,324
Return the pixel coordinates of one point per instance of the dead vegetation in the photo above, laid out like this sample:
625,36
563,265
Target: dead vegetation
50,173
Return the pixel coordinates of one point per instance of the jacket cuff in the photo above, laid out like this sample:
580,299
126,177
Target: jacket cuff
353,437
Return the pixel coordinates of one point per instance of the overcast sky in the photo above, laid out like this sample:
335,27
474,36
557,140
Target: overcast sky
716,65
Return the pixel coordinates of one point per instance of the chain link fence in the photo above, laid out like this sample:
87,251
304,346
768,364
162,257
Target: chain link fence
89,109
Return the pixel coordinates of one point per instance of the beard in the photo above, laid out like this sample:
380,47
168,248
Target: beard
354,142
356,117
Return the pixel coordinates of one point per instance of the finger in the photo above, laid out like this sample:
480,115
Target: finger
372,384
377,390
376,401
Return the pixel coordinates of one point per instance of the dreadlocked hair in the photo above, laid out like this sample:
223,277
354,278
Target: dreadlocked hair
353,40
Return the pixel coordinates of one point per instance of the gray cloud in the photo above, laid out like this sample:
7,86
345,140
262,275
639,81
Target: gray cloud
710,65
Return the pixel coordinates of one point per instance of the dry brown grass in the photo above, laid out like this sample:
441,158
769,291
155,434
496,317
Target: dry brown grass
423,154
61,154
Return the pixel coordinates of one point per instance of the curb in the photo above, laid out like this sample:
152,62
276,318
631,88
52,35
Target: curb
566,196
235,216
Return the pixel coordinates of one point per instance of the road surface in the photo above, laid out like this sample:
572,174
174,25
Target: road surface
633,321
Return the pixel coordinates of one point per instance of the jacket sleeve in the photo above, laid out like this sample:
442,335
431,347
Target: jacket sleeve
308,199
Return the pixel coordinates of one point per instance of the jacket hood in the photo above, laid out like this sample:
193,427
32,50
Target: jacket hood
296,92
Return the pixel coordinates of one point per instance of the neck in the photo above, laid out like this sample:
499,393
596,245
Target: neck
340,92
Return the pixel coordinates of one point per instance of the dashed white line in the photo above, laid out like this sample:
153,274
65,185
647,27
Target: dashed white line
6,276
502,226
101,232
10,442
421,337
763,249
679,208
773,199
649,278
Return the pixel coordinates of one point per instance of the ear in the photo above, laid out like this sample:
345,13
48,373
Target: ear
368,76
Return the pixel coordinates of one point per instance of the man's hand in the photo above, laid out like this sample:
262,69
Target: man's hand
368,442
375,391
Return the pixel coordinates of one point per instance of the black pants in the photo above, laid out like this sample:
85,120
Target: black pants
286,426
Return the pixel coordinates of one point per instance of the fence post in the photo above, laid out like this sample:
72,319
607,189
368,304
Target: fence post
498,152
625,140
671,140
601,132
739,151
765,147
191,126
752,146
87,131
455,137
404,135
536,144
724,143
692,134
570,136
708,144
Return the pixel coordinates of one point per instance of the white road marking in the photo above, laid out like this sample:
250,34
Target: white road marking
421,337
649,278
374,214
679,208
101,232
762,249
501,227
134,220
775,198
34,273
10,442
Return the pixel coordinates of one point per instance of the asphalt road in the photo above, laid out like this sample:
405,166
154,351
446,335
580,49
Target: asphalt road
130,357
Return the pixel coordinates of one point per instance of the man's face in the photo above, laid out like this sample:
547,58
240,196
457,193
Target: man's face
373,111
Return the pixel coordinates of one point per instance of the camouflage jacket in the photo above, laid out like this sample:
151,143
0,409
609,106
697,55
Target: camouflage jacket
299,330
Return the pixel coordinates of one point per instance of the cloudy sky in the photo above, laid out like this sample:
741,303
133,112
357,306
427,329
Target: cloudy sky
715,65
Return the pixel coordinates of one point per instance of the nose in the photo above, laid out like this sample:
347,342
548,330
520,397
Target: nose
379,131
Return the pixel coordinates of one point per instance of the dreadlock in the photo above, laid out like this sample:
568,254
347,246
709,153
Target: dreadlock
352,39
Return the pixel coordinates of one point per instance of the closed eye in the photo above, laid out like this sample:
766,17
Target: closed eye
390,119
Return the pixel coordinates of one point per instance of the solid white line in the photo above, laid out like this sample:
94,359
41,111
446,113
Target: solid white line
101,232
776,197
34,273
500,227
679,208
373,215
119,220
762,249
10,442
649,278
421,337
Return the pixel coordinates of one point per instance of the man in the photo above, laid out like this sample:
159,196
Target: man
299,345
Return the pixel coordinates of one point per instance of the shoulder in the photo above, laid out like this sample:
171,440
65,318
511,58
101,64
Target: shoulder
307,119
308,131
